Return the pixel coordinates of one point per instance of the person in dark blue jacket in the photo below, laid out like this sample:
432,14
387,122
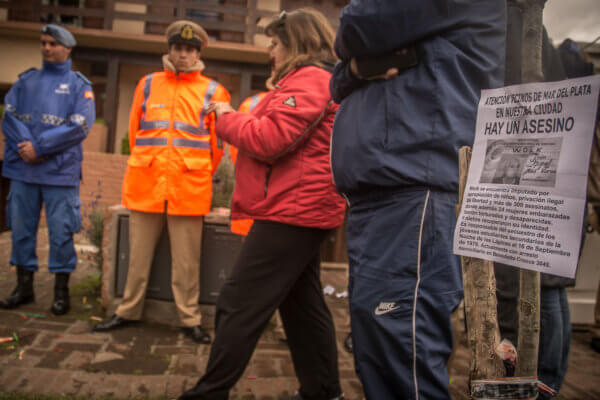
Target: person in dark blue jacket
394,157
47,114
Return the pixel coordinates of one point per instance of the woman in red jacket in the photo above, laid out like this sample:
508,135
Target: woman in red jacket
284,183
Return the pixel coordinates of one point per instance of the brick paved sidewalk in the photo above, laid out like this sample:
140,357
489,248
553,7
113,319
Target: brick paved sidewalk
59,355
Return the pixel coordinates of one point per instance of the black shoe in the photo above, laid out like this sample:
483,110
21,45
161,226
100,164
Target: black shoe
112,323
197,334
62,302
348,343
23,293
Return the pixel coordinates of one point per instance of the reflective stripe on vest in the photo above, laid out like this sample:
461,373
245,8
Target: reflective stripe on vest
146,93
159,123
153,141
199,130
191,129
147,125
254,101
196,144
210,92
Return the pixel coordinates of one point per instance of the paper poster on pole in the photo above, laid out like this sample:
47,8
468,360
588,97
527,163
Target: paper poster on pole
525,196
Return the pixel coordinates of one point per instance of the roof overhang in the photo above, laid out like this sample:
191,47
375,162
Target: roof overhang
145,43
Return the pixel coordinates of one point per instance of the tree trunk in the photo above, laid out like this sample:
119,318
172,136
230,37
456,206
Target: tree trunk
529,291
480,302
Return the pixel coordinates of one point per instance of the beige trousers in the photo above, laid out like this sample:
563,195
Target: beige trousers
185,237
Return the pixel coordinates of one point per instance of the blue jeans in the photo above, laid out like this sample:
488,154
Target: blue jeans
63,216
555,337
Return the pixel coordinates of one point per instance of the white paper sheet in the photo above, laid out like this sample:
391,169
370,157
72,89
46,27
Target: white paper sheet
525,196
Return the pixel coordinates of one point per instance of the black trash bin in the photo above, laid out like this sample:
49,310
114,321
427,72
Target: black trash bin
220,249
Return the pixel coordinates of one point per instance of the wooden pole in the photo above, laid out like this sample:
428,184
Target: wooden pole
529,289
481,311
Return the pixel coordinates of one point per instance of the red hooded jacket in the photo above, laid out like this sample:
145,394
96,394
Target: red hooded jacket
282,171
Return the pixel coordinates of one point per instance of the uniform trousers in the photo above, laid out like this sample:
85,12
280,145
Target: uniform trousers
185,237
63,217
278,267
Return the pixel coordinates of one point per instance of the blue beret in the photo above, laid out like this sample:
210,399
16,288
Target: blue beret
59,33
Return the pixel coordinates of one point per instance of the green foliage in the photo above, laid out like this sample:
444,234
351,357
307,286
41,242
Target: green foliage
90,286
125,145
95,230
85,298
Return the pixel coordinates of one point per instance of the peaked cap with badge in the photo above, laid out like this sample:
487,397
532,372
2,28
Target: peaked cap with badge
187,32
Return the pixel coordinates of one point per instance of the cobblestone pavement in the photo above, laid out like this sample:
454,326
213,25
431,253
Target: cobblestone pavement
60,355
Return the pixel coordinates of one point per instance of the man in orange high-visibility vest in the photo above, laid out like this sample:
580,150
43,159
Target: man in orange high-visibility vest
174,153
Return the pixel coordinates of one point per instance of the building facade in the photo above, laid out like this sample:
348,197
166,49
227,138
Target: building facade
121,41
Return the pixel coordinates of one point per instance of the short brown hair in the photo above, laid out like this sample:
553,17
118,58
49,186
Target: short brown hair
308,38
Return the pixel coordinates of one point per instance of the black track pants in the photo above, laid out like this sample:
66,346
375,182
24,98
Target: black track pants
278,267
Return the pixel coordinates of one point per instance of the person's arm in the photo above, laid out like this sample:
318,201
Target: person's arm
14,130
290,115
243,108
73,130
343,82
136,113
370,28
216,144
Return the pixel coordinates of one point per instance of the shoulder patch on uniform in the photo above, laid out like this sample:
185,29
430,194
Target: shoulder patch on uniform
290,101
26,72
83,78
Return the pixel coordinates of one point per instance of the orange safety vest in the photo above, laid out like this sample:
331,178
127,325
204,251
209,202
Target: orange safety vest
174,148
242,226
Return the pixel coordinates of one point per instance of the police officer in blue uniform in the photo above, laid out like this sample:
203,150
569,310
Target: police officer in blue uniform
47,114
394,155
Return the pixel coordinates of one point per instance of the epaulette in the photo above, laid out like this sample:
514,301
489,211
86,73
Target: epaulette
26,72
83,78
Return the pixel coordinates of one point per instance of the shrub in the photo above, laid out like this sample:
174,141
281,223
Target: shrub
125,145
95,230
